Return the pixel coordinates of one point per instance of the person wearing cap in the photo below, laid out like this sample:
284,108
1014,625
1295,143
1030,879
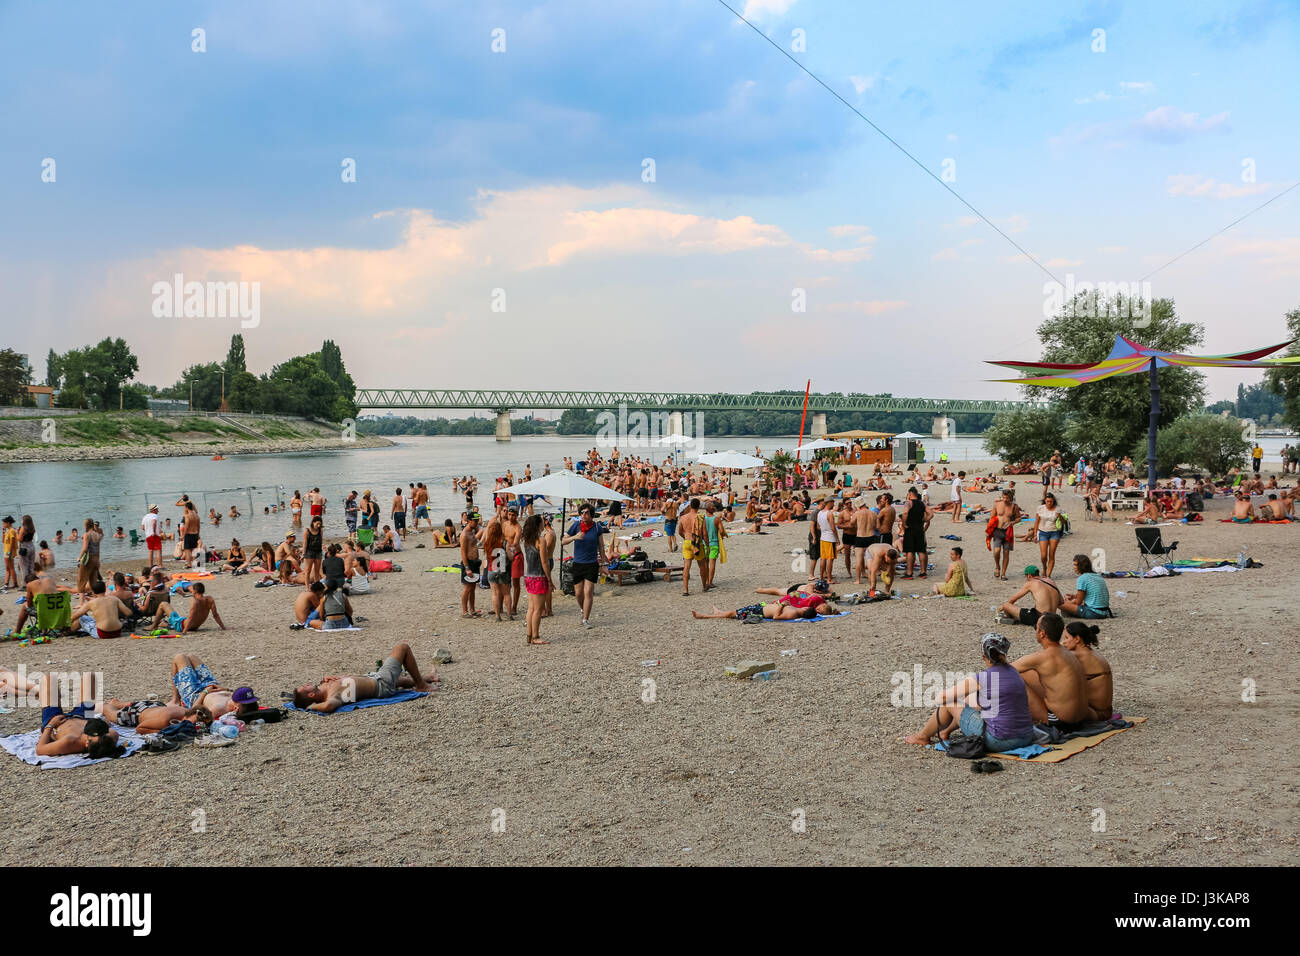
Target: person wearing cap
1047,599
399,671
470,565
286,558
993,704
10,551
193,685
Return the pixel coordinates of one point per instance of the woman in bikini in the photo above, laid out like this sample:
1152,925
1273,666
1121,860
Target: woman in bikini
1080,639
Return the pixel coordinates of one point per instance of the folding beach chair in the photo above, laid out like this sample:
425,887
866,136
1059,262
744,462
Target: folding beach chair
1150,546
53,611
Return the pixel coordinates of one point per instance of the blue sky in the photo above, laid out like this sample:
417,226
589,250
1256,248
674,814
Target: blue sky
522,171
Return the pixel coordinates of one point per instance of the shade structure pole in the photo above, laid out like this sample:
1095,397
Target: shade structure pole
1151,428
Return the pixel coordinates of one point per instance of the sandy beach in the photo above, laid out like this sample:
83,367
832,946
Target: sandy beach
563,745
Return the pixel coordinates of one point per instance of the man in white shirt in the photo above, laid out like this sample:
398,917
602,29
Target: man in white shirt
956,496
152,540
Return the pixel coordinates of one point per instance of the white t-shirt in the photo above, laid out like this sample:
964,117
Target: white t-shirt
956,489
826,522
150,525
397,541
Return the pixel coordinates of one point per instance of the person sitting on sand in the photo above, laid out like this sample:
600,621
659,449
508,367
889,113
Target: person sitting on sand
1080,639
194,686
1242,510
993,704
335,612
957,581
1279,509
151,716
107,611
286,559
1150,513
235,558
1047,599
1092,596
75,732
449,537
201,606
1054,677
40,583
770,610
306,606
331,693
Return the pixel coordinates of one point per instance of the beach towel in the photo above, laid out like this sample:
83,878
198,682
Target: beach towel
808,620
191,576
1020,753
54,611
447,570
23,746
145,637
400,697
1070,747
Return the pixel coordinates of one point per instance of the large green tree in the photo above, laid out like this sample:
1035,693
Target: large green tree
235,361
94,376
1029,434
1109,417
14,374
1286,381
1209,443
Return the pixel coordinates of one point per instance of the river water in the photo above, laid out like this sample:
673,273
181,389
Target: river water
116,492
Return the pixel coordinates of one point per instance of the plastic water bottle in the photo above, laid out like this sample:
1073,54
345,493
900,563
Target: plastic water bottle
764,675
225,730
1243,557
1121,594
654,663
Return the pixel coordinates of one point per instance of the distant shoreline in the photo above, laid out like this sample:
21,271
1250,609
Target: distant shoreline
56,453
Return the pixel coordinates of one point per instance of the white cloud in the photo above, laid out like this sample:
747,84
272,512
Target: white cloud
1059,263
946,255
1168,122
761,8
862,83
1191,184
1099,97
849,230
1281,256
1142,86
1113,250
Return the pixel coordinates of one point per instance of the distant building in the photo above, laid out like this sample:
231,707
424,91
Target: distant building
168,405
42,396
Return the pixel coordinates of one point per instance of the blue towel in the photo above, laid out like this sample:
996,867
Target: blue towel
23,746
401,697
1024,753
809,620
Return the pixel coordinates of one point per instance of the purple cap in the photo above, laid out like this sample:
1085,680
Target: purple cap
244,695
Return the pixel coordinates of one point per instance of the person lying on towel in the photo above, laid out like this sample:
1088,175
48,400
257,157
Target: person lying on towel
77,731
771,611
331,693
1054,678
151,716
193,685
1080,639
993,704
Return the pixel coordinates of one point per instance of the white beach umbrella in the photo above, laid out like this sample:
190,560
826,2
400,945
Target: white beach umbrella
818,445
731,459
564,485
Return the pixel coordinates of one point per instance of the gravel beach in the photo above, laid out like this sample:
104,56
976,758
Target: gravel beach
564,754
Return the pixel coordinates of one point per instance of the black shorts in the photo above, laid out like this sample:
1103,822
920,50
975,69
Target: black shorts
584,571
474,565
1029,616
191,542
850,540
885,539
399,520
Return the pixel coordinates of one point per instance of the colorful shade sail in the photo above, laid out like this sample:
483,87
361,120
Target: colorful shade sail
1128,357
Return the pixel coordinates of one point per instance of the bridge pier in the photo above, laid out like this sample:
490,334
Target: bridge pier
939,427
503,424
819,425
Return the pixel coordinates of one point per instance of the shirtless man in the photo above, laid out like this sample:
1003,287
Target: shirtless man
1150,513
286,559
1047,599
306,605
882,562
151,716
201,606
1279,509
331,693
190,532
670,523
471,565
846,524
885,519
1054,678
194,686
107,611
686,528
864,527
41,584
1242,510
1080,639
771,611
76,732
316,504
1003,542
512,532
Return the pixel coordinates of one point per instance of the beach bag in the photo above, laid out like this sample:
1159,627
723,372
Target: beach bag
566,578
175,621
378,564
965,748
